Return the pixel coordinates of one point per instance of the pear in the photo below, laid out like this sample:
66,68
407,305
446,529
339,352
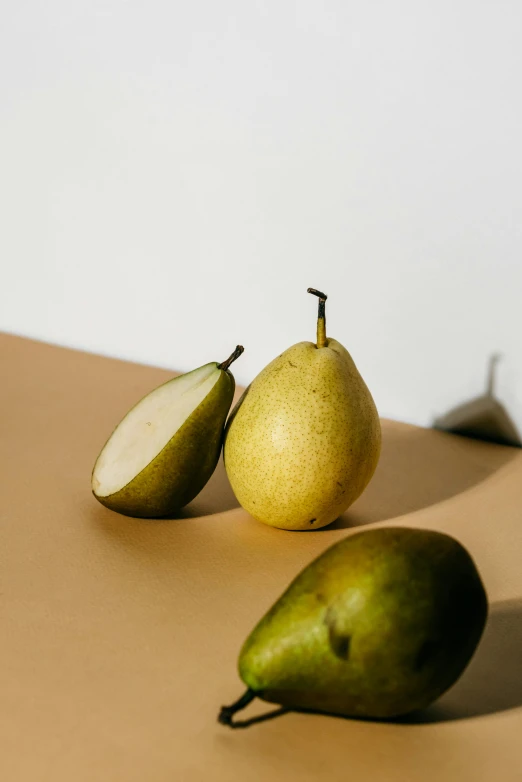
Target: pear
304,439
166,448
379,625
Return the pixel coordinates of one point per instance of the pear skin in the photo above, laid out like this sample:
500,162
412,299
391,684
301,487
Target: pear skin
378,626
166,448
304,439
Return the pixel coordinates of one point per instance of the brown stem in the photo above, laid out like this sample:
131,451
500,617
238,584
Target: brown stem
227,712
237,352
322,341
493,361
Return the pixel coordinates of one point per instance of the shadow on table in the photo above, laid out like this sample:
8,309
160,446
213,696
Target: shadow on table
417,468
492,682
422,467
216,497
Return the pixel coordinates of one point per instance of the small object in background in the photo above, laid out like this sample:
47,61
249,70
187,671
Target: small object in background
378,626
166,448
483,418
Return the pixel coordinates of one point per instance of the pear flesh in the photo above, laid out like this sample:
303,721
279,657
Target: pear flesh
379,625
304,439
166,448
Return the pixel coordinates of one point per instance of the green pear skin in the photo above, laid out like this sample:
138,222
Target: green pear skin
182,467
379,625
304,439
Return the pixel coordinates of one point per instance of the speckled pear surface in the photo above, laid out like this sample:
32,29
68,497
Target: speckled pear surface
380,624
304,439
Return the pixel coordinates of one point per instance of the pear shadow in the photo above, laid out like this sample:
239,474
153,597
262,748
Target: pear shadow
265,717
483,417
216,497
143,534
492,682
150,539
436,464
421,467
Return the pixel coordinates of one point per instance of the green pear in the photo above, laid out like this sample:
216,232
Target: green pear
166,448
379,625
304,439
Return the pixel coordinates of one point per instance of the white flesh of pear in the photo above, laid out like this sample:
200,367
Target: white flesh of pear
148,427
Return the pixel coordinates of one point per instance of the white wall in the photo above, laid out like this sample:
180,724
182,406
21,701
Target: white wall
174,175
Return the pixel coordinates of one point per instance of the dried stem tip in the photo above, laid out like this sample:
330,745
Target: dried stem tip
317,293
322,341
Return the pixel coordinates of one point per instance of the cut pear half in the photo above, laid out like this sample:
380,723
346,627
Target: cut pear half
148,427
166,448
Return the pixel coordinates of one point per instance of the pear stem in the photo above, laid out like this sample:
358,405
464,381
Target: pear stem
227,712
322,341
237,352
493,361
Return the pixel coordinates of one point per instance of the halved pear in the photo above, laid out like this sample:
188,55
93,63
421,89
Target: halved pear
166,448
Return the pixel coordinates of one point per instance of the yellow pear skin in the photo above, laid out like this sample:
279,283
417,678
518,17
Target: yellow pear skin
304,439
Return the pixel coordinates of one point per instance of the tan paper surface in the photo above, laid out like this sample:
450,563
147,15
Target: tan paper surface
119,637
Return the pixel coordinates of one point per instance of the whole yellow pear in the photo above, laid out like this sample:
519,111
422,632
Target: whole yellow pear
304,440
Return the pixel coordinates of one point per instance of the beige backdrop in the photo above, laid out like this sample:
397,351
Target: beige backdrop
120,636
